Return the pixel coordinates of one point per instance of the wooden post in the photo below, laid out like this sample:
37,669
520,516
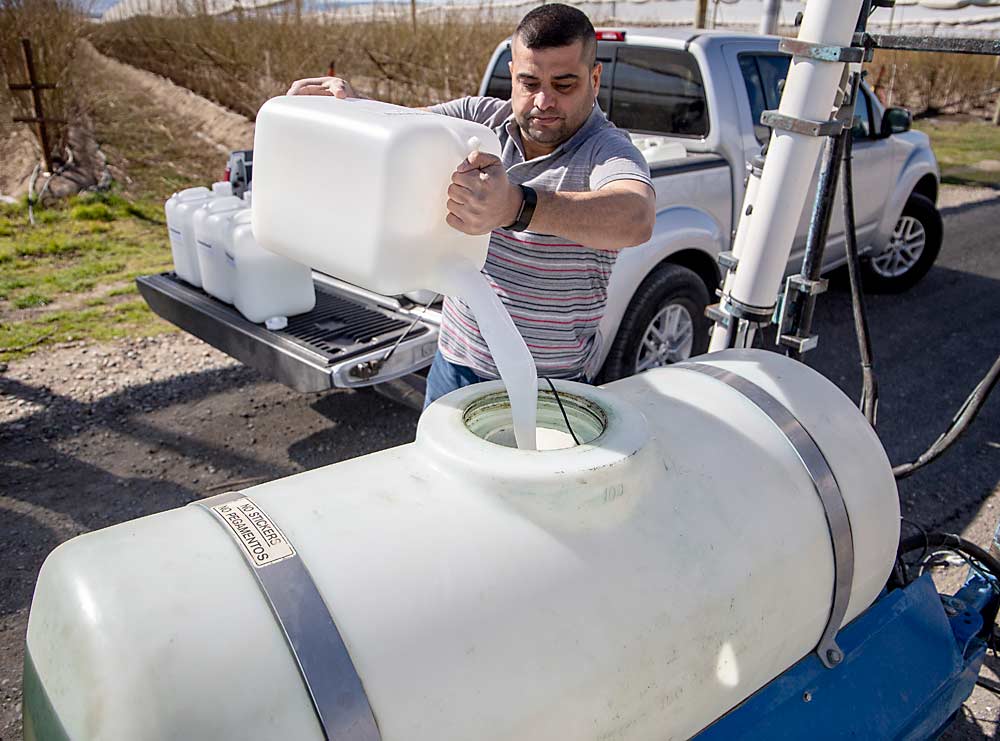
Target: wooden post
36,98
996,113
701,14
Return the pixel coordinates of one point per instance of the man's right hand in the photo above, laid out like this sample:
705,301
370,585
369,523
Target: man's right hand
333,86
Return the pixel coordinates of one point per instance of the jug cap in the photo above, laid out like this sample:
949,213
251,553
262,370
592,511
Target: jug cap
222,188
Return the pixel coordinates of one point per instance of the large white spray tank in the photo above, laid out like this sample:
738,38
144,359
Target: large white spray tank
358,189
450,589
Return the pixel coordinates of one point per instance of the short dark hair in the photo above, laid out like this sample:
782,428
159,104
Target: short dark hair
555,24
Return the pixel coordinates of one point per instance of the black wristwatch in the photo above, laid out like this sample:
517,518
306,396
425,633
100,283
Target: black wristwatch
527,210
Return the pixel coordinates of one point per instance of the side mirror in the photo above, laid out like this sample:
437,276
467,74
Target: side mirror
896,121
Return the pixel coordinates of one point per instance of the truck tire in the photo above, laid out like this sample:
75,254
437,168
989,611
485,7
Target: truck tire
912,250
665,323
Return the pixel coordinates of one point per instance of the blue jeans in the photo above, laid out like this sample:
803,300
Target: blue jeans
445,377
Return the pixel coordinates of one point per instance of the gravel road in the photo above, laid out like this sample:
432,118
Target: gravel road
95,435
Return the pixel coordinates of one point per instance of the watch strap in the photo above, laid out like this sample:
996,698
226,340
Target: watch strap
527,210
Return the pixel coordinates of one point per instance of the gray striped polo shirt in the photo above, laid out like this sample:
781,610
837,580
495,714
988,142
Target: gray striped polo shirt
554,289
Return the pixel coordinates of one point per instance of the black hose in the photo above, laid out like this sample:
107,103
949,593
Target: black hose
569,427
869,388
926,541
962,419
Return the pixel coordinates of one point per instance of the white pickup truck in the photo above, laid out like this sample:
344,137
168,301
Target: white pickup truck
692,101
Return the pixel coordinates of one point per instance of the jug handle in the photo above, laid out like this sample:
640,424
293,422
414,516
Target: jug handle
472,145
469,146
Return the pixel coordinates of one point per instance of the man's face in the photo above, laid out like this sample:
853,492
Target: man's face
552,94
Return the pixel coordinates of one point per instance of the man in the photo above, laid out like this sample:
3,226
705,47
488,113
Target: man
569,190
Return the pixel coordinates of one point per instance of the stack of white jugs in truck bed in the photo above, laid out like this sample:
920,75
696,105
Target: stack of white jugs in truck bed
214,248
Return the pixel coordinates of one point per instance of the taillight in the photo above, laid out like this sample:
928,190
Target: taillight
605,35
226,174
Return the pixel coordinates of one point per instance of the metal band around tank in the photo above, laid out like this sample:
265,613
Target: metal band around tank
837,519
330,676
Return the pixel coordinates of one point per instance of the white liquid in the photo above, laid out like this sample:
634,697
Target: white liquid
546,438
549,439
511,355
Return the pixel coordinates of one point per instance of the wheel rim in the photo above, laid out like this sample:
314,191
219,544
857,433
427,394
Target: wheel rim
905,248
668,338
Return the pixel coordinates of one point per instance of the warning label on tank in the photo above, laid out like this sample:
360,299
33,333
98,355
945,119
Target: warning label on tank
263,542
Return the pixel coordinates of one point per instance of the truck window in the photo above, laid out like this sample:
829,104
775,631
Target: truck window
862,118
764,75
500,83
658,91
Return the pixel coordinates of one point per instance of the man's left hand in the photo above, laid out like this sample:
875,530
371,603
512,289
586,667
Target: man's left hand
481,197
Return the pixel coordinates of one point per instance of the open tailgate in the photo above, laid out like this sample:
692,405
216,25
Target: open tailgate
340,343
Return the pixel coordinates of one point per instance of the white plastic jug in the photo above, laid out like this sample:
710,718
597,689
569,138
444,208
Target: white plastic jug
265,285
635,587
180,208
357,189
212,229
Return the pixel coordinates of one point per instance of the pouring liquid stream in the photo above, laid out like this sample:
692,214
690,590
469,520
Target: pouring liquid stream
511,356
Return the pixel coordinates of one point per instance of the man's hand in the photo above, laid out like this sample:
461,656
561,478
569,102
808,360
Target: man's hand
332,86
480,197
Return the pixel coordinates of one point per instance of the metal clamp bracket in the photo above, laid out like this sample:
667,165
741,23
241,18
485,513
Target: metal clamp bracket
728,260
326,667
794,285
825,483
753,314
801,344
804,126
718,315
826,52
806,285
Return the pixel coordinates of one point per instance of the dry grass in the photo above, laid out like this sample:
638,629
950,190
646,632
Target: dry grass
53,27
242,60
930,84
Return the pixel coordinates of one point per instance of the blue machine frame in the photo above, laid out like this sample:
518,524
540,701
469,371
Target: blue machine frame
911,660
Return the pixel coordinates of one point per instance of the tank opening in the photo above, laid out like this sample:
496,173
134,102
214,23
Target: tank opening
489,417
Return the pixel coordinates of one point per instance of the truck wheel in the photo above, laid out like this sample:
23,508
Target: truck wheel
665,323
912,249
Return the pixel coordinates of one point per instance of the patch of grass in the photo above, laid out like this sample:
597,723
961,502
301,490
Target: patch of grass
961,146
83,276
125,290
99,323
10,283
92,212
38,247
30,300
56,261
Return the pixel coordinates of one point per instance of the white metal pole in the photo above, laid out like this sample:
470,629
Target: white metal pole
769,18
809,93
